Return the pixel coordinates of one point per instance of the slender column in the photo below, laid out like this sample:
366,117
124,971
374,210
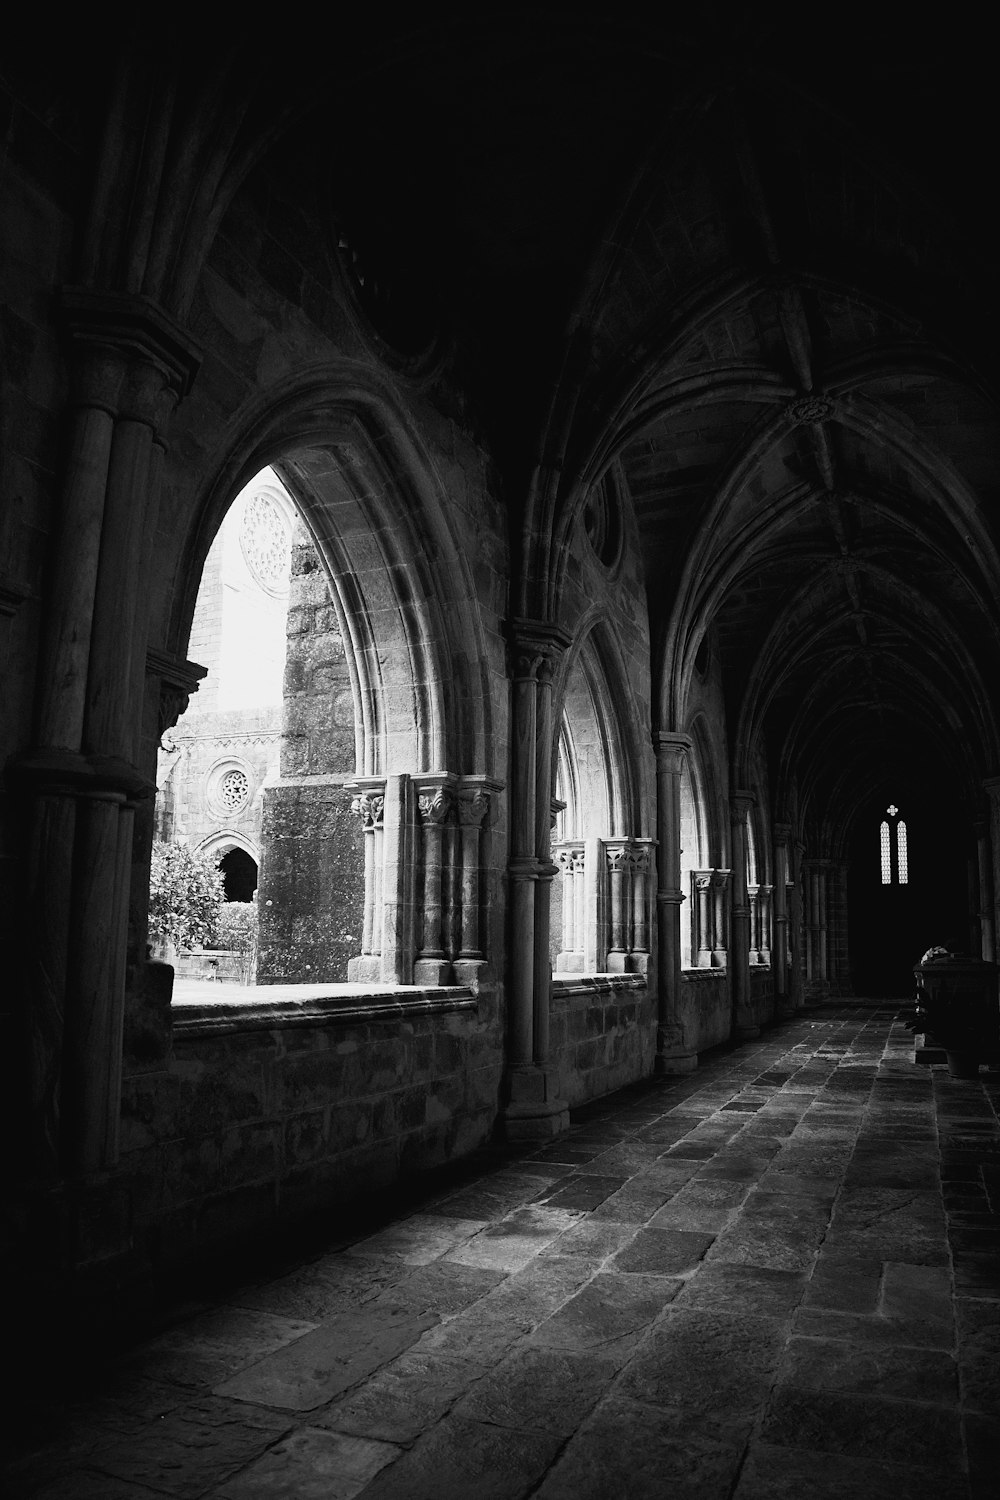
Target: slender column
369,806
764,923
473,807
745,1024
782,834
992,884
640,905
753,901
674,1052
796,925
534,1108
545,816
984,905
434,808
617,865
702,919
720,924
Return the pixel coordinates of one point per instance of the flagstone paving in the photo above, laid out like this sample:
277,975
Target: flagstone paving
776,1278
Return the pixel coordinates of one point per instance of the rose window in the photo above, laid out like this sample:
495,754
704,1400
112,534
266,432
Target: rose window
234,788
264,540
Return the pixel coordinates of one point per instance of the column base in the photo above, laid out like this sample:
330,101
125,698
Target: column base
432,971
365,969
533,1112
745,1031
674,1063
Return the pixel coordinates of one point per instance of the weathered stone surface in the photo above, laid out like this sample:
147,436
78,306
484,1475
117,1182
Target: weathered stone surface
404,1398
663,1252
213,1345
608,1315
189,1450
627,1449
419,1239
715,1366
540,1389
515,1240
333,1357
910,1374
311,1465
730,1287
905,1432
457,1459
787,1473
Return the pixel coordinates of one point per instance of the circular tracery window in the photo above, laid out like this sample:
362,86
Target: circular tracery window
234,789
265,543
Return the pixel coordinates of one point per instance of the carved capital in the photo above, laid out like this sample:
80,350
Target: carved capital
178,680
369,807
473,808
536,649
135,330
434,805
671,752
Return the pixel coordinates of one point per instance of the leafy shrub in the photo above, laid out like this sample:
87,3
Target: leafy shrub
185,896
236,931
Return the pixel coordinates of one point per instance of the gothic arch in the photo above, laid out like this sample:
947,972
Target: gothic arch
373,505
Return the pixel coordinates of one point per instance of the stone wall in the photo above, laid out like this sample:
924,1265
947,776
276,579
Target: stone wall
706,1007
262,1114
603,1034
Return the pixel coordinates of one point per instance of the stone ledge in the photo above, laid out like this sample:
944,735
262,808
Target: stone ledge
331,1005
700,976
590,984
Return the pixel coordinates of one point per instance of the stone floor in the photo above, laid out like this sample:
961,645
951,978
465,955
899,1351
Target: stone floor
777,1277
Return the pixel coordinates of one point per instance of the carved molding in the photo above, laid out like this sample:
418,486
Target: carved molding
811,409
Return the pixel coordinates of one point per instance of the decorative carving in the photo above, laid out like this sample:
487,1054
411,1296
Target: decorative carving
473,809
434,806
265,543
811,409
369,807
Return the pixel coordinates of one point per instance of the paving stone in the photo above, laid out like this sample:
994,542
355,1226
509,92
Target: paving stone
84,1484
848,1283
440,1288
597,1239
911,1374
540,1389
631,1452
977,1274
399,1401
317,1367
715,1365
419,1239
206,1349
914,1332
608,1314
189,1450
581,1192
664,1252
311,1465
869,1427
918,1291
728,1287
460,1459
318,1290
516,1239
787,1473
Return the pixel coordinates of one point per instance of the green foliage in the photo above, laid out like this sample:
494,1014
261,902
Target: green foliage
185,896
236,931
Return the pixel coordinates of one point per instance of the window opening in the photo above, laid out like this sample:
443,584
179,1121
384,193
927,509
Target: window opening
893,848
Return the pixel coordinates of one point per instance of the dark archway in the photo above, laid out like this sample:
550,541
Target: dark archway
239,874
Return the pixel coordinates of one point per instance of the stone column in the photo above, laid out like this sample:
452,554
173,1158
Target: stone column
674,1053
130,365
572,861
701,919
639,946
782,999
754,903
764,896
720,922
619,902
534,1109
369,806
796,996
815,880
473,804
434,806
745,1025
991,896
984,905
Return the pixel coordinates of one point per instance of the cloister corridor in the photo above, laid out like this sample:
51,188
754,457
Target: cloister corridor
775,1277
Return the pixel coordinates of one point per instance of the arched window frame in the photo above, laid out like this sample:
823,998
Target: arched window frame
893,848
